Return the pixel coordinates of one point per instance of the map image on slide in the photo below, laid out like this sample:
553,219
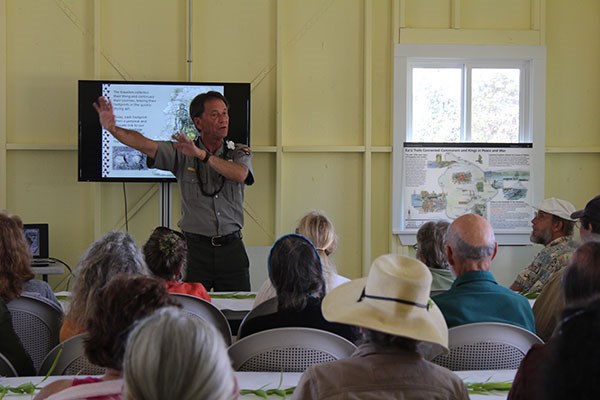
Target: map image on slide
445,183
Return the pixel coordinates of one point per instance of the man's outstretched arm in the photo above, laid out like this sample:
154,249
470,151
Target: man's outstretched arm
128,137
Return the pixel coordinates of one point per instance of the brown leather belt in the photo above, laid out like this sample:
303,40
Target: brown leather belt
220,240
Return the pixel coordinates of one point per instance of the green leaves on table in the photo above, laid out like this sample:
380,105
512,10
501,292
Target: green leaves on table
530,295
283,393
237,296
261,392
28,387
25,388
488,388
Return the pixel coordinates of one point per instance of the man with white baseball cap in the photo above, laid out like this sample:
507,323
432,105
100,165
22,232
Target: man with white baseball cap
552,226
549,305
393,310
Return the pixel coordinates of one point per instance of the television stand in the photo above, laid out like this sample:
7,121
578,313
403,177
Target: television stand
53,268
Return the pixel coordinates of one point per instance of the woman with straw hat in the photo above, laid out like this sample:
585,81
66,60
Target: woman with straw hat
395,315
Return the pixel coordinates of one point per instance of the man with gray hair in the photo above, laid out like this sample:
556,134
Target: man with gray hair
475,296
552,226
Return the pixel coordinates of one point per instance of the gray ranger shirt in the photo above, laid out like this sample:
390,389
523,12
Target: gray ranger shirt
210,204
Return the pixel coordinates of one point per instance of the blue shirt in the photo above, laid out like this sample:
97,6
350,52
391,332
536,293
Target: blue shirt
475,296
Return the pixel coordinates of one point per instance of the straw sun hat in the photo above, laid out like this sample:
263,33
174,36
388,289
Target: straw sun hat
393,299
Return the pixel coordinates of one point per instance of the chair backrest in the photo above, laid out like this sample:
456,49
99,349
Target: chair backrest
72,359
206,311
436,292
288,349
6,368
37,324
486,345
267,307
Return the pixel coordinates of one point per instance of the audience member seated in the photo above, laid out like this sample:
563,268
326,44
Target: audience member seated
166,256
552,227
317,228
114,253
171,355
475,296
126,299
15,265
573,367
581,283
589,220
393,311
295,270
11,346
431,251
549,305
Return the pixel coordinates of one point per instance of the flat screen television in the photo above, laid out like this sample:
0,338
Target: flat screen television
37,238
155,109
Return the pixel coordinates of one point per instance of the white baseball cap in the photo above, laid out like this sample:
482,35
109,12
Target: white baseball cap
561,208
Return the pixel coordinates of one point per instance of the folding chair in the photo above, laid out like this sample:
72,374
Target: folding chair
267,307
205,311
486,345
288,349
72,359
37,324
6,368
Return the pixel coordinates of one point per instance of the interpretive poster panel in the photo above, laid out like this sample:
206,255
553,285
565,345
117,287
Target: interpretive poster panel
445,181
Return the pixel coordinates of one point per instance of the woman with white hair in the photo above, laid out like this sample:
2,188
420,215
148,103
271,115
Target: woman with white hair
171,355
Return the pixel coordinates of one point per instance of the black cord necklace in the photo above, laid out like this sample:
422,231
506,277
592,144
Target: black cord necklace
204,168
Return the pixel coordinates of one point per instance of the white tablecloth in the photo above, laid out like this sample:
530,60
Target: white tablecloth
246,380
237,305
244,305
274,380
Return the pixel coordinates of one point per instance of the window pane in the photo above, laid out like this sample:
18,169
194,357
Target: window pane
495,105
436,104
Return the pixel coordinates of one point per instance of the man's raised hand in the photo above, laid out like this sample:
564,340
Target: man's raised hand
105,113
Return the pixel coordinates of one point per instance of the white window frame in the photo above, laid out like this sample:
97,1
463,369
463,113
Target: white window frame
532,60
466,66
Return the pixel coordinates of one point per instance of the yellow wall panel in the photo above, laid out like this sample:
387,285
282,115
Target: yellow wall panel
381,204
143,213
427,13
234,40
331,183
143,40
322,73
573,177
259,202
573,92
263,110
381,70
46,44
495,14
42,188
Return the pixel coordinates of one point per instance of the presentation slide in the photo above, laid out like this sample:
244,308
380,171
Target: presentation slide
156,111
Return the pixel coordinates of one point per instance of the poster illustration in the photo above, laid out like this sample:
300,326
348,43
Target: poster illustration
445,181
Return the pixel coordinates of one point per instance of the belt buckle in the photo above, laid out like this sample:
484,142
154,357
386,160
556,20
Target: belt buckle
213,243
